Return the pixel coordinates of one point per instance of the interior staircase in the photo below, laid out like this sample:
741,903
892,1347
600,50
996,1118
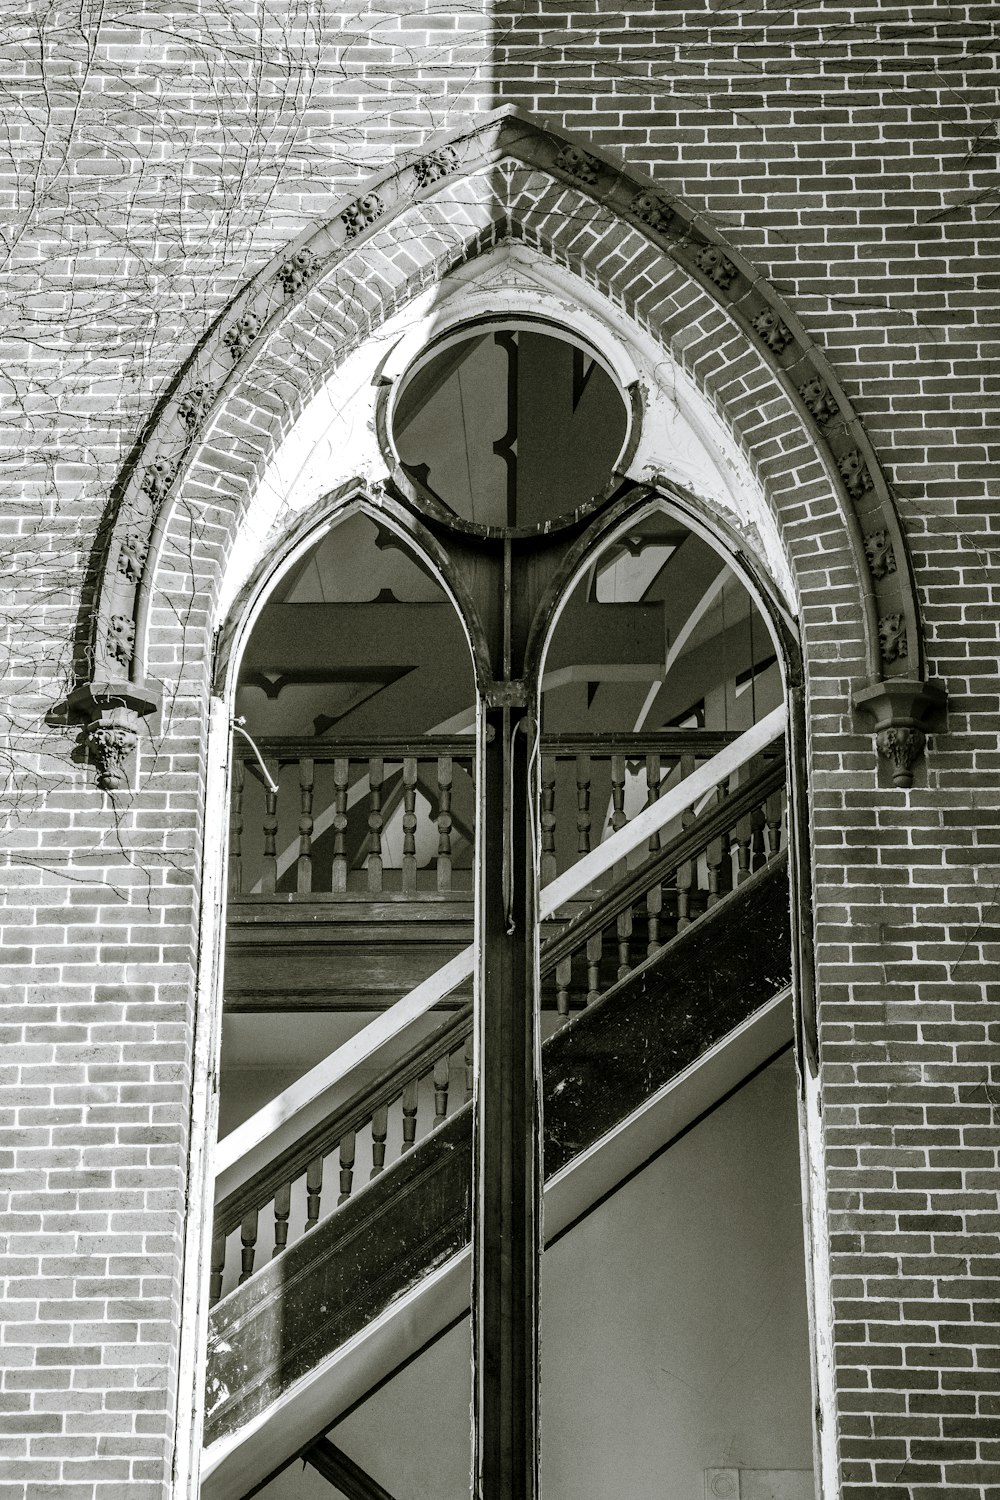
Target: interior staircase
666,989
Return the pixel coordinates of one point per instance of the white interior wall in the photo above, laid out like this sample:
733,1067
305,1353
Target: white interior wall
674,1334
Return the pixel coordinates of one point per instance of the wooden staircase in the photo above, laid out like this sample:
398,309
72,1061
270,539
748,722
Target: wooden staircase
681,988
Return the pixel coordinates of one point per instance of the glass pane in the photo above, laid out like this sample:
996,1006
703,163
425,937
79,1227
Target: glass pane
511,426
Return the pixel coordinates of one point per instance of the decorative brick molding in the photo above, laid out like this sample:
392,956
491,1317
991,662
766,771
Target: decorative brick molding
508,178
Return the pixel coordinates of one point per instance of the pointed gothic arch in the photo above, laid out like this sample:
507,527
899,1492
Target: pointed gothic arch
180,498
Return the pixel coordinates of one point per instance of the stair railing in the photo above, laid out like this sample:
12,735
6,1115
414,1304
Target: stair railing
278,1154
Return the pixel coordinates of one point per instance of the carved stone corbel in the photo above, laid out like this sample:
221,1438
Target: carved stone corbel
900,708
114,711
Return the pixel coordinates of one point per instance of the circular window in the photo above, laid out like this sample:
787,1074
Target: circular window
510,425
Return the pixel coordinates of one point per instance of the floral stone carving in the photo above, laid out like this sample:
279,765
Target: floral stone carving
878,550
579,164
132,553
294,272
717,267
361,214
194,405
899,707
903,747
111,746
772,331
121,638
242,334
854,472
652,211
817,399
892,637
435,165
158,478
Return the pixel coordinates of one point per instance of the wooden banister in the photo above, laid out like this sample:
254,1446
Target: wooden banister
691,840
360,1107
299,1125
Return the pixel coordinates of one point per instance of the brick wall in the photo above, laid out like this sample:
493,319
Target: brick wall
851,154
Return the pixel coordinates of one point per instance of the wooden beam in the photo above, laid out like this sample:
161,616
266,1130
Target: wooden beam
348,1477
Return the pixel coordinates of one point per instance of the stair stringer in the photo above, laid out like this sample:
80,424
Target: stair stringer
235,1463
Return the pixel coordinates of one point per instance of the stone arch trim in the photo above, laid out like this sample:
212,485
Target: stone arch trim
241,390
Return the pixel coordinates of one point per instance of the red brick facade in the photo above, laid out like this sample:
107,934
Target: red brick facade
845,160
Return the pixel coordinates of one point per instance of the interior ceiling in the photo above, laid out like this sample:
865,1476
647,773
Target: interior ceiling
360,640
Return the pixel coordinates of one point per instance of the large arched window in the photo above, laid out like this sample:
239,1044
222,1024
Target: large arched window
508,915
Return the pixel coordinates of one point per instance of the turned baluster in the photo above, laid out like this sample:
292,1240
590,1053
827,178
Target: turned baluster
654,910
346,1166
564,977
376,777
469,1058
595,946
624,927
218,1268
653,773
444,821
269,871
442,1078
684,875
409,1115
409,825
236,840
583,818
713,862
380,1129
341,779
282,1209
774,809
548,819
248,1234
304,867
314,1191
741,838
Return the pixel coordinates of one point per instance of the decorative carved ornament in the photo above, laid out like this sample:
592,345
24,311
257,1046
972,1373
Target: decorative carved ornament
651,210
150,480
435,165
294,272
717,267
878,551
193,407
362,214
892,637
854,472
111,747
902,747
579,164
774,333
241,335
817,399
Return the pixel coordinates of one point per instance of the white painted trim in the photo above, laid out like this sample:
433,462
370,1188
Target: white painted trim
194,1295
286,1117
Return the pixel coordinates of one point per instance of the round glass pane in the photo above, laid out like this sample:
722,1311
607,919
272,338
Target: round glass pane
510,425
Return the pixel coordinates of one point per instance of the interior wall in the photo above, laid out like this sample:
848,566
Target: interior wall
674,1333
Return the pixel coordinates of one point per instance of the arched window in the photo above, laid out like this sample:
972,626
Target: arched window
508,915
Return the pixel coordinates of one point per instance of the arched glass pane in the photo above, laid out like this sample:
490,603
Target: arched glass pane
353,821
673,1308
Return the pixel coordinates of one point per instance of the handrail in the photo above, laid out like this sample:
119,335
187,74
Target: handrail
305,1103
708,824
281,747
322,1137
673,802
